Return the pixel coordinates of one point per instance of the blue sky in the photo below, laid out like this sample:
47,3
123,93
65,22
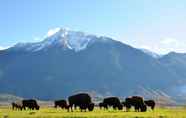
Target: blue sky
157,25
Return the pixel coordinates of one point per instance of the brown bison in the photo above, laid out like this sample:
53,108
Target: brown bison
150,103
137,102
82,100
113,102
61,103
30,104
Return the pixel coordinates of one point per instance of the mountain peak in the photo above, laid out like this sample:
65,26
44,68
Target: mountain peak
75,40
61,37
55,31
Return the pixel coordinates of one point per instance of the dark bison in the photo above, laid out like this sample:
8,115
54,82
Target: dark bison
137,102
82,100
113,102
150,103
30,104
103,105
61,103
17,105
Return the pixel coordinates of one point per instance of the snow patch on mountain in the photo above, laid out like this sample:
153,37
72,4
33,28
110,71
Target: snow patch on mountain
73,40
3,47
152,54
52,31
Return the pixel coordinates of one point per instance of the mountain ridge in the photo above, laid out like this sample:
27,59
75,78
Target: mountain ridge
104,66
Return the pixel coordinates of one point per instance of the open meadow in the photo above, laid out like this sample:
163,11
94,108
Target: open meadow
169,112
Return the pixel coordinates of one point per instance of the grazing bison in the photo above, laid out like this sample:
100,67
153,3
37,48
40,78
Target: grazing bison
61,103
113,102
30,104
150,103
17,105
82,100
137,102
104,105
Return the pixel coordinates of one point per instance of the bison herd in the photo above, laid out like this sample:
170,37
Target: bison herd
29,104
83,102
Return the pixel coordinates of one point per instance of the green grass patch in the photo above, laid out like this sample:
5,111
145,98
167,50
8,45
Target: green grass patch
177,112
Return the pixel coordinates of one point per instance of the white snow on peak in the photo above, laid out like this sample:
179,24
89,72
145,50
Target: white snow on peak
63,37
74,40
52,31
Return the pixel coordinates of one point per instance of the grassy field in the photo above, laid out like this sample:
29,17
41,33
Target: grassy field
58,113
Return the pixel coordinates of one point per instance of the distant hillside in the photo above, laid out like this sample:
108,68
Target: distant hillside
70,61
9,98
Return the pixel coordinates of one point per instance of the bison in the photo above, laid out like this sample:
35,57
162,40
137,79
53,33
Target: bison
113,102
82,100
61,103
30,104
17,105
104,105
137,102
150,103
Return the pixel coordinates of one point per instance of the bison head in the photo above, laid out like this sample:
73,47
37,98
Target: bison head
91,106
120,106
143,108
37,107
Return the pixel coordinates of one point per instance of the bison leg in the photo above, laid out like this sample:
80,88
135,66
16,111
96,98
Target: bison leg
106,107
67,107
114,107
13,107
20,108
71,108
128,106
75,107
55,106
127,109
152,107
136,110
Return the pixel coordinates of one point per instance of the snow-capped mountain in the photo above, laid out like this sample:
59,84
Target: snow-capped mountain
68,39
64,38
69,61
